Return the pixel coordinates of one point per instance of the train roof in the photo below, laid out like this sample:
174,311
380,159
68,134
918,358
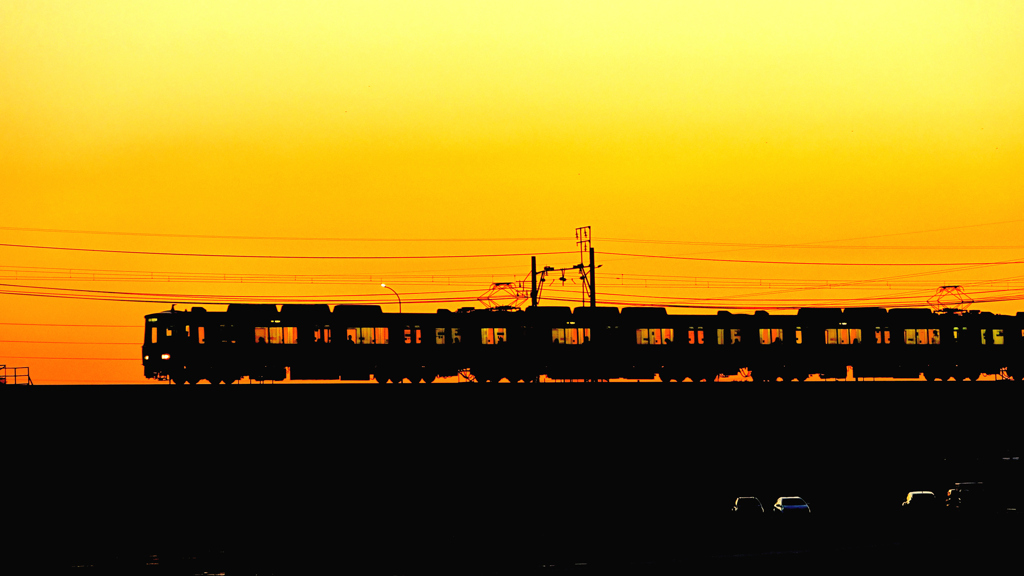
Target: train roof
643,312
253,309
305,309
596,312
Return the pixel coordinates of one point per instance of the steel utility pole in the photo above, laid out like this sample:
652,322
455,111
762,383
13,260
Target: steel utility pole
533,281
583,241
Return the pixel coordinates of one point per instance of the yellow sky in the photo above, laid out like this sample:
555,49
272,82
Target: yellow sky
731,122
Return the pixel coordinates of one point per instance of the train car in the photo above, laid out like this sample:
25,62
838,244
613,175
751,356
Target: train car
299,342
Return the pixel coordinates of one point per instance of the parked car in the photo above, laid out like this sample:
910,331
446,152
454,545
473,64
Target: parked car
920,501
791,505
748,505
967,497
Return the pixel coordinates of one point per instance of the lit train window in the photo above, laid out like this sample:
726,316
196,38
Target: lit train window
921,336
275,334
492,336
439,335
695,336
771,335
152,335
570,335
996,336
413,335
842,336
367,335
882,337
654,336
799,335
733,336
322,335
201,334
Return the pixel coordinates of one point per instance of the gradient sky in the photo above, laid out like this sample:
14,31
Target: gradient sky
860,132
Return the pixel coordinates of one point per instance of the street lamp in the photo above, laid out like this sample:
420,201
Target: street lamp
383,285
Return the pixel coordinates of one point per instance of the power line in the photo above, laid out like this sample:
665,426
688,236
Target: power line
280,257
72,358
536,239
70,342
136,326
808,263
288,238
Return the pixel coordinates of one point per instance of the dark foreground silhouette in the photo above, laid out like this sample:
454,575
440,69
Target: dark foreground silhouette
593,478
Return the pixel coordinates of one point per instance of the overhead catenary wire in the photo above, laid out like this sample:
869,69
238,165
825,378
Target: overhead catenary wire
278,256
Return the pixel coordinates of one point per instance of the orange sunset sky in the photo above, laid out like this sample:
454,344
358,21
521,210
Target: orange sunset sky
887,134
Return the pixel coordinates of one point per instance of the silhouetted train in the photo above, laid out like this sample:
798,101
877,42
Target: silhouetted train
355,342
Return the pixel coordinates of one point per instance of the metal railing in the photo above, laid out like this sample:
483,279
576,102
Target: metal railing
15,375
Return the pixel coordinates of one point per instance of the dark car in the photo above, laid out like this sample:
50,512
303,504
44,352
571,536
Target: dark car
920,501
791,505
747,505
967,497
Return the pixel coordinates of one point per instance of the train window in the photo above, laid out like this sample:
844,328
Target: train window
733,336
771,335
881,336
799,336
570,335
921,336
654,336
201,334
367,335
322,335
152,335
695,336
455,336
413,335
492,335
261,335
842,336
438,335
996,336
